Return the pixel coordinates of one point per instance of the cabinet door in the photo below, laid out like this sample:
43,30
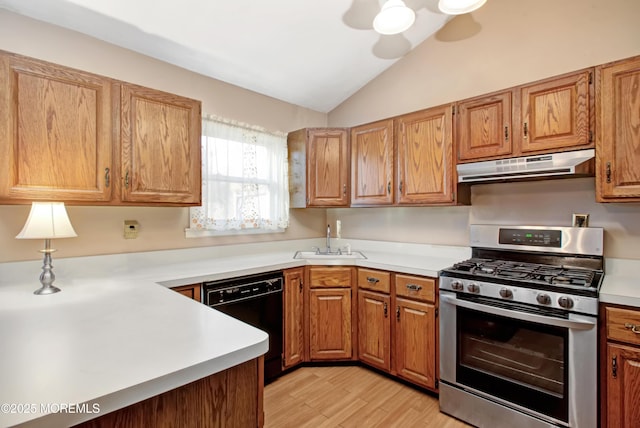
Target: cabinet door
425,157
556,113
415,342
483,126
293,317
618,139
330,324
372,164
161,151
55,132
191,291
623,386
328,168
374,329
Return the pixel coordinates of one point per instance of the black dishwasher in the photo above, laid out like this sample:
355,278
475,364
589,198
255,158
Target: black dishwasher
255,300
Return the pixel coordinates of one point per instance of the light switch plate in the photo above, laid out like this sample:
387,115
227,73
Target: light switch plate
131,229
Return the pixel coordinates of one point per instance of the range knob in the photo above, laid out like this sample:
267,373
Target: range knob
543,299
473,288
565,302
457,285
505,293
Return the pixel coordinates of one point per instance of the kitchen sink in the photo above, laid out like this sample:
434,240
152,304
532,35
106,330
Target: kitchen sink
320,255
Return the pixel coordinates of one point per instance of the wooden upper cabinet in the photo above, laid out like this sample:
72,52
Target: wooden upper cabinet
372,164
484,126
425,157
319,167
556,113
55,132
160,147
618,136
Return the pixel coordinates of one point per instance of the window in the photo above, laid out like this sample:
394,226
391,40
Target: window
245,186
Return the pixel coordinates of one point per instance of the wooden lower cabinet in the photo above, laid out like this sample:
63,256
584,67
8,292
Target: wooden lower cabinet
623,386
293,313
415,342
192,291
232,398
330,324
620,379
374,329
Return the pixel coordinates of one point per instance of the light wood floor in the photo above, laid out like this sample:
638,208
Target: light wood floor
349,396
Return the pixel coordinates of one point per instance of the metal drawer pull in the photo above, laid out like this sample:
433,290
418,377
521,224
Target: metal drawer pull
372,280
632,327
414,287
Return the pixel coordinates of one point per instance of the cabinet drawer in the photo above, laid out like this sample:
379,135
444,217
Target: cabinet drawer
330,276
620,323
416,287
375,280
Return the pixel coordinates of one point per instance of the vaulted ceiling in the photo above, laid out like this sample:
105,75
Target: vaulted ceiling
313,54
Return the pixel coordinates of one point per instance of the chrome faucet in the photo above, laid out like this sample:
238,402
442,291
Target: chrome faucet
328,239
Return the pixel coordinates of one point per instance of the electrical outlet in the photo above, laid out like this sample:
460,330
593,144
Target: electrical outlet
131,229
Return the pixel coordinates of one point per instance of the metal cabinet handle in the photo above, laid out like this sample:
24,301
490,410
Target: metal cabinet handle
614,366
389,187
344,190
126,180
526,130
301,286
632,327
372,280
384,305
414,287
398,313
400,187
506,133
608,172
107,178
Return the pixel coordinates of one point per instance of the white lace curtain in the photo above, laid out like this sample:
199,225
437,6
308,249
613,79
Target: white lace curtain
244,179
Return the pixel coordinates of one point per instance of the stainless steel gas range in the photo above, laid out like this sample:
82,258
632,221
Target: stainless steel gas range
518,328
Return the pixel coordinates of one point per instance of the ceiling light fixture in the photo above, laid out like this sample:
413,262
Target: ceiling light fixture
394,17
459,7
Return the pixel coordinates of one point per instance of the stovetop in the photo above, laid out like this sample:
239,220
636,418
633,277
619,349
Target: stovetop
531,275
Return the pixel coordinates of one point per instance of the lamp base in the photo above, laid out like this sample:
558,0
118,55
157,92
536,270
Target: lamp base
47,290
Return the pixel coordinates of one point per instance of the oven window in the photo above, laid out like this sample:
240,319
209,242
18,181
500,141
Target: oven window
520,362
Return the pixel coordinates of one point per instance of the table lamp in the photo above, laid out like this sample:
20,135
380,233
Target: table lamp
47,220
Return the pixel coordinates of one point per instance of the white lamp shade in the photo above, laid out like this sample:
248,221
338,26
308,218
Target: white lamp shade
459,7
394,17
47,220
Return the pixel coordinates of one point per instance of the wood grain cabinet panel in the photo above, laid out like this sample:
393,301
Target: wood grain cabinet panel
319,167
372,164
484,126
618,131
193,291
374,329
160,152
293,304
330,324
415,342
425,157
556,113
55,133
623,386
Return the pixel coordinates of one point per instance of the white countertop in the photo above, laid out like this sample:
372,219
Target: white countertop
621,284
114,336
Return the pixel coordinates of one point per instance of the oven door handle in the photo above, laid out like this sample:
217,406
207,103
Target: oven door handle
540,319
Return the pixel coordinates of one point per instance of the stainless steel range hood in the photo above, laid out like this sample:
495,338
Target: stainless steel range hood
554,165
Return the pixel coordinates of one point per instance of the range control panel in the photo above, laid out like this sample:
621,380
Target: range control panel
531,237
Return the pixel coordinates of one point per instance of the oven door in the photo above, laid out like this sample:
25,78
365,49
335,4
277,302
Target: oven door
539,362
